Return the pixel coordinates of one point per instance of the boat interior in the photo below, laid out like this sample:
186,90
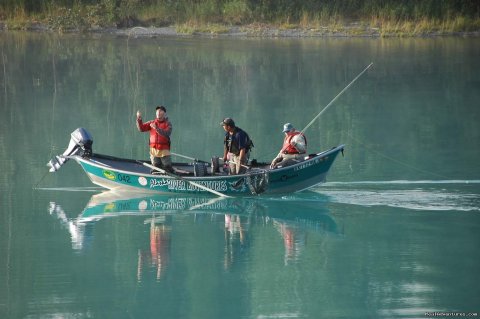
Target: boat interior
194,169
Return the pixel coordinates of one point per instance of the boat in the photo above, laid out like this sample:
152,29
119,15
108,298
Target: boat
198,177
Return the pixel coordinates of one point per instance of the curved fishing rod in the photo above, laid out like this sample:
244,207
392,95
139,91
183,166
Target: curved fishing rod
335,98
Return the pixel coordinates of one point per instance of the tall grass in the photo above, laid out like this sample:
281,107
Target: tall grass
388,16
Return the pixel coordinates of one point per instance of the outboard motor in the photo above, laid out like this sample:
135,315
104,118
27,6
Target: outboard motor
80,144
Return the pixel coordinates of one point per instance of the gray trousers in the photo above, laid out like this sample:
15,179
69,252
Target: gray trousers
163,162
290,159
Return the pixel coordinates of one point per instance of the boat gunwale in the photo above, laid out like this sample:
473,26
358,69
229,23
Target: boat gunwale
259,171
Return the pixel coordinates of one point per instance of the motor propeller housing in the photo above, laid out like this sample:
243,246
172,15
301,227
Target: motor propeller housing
80,144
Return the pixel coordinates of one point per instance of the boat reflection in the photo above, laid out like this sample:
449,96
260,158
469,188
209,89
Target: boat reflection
241,219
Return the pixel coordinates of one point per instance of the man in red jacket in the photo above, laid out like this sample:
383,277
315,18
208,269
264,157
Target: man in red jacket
294,147
160,129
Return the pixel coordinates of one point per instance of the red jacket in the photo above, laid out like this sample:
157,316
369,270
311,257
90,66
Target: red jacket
287,147
159,137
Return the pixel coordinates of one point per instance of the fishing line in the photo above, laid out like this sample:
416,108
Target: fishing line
402,182
72,189
41,179
5,77
133,85
395,160
54,102
52,148
336,97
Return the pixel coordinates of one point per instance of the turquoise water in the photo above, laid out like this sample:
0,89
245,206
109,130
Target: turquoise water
392,234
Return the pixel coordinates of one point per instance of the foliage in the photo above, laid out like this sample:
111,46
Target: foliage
191,28
237,12
67,19
454,15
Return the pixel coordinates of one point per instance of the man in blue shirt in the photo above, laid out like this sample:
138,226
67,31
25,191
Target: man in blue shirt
237,146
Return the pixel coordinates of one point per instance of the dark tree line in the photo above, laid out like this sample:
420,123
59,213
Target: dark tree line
269,9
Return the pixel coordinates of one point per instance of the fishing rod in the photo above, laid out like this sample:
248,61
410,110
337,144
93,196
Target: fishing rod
335,98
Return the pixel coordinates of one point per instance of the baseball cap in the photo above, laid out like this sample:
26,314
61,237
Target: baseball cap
228,121
161,107
287,127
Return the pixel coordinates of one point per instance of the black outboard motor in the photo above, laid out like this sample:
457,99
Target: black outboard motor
80,144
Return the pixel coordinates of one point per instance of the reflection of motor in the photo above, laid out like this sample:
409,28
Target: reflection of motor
80,232
80,143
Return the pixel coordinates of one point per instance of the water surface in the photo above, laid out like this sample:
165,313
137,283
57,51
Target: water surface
393,234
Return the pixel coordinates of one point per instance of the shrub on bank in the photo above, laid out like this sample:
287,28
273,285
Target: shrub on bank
389,16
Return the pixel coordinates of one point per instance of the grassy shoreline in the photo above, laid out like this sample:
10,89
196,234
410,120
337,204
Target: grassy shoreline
372,18
354,29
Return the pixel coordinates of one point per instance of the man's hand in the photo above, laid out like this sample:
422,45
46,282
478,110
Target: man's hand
139,115
275,161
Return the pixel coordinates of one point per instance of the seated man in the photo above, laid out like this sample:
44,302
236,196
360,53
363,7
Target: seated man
293,149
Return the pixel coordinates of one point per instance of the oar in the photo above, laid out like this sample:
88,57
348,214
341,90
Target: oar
186,157
189,158
197,160
228,162
336,97
185,180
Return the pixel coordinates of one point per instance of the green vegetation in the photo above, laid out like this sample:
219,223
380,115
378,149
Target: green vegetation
383,17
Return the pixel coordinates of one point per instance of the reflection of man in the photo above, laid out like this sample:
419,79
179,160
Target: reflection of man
160,242
293,241
233,226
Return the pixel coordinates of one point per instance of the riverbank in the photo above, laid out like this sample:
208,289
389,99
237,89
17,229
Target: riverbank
354,29
247,18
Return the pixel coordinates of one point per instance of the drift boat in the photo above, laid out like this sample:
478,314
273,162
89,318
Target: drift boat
122,174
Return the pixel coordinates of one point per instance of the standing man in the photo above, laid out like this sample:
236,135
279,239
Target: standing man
160,129
237,145
293,149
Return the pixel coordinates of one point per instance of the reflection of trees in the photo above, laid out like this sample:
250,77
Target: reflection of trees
66,81
100,82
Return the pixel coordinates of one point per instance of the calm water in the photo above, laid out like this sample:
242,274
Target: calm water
393,234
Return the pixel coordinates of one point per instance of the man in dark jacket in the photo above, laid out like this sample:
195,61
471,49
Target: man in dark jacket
237,146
